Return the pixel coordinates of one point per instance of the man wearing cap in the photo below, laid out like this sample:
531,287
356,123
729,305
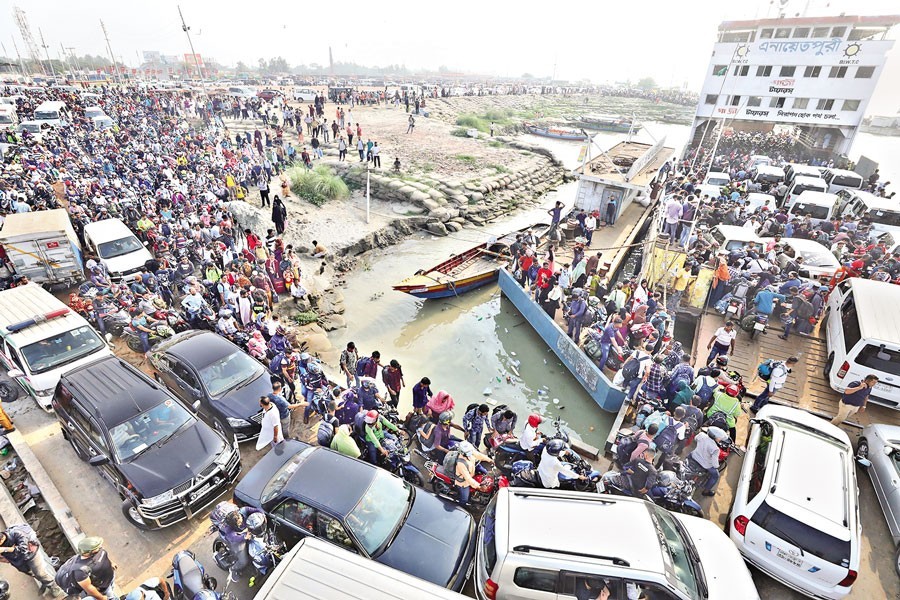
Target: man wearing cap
90,573
20,547
154,588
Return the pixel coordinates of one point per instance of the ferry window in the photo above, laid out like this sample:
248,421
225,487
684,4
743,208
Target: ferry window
764,70
864,72
850,105
720,70
735,100
741,70
801,32
837,72
736,36
765,34
777,102
820,32
864,33
787,71
712,98
782,33
754,101
838,31
812,71
824,104
801,103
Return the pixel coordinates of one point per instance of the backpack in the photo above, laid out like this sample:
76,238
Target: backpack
325,433
362,364
627,445
665,439
449,464
718,419
275,363
706,391
65,579
765,368
632,367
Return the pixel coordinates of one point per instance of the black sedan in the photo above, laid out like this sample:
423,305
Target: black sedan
310,490
202,367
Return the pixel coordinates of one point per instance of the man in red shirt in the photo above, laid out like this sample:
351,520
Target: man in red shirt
252,240
542,281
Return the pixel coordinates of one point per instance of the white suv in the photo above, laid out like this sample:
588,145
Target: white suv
535,543
795,515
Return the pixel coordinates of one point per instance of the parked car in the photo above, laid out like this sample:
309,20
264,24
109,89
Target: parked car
268,94
200,366
535,543
818,261
879,446
796,514
314,491
165,464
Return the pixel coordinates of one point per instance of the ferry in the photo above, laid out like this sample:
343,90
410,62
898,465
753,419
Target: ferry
609,123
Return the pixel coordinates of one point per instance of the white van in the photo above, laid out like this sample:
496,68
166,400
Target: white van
116,246
242,92
863,337
839,179
882,213
759,159
305,94
9,118
93,111
758,200
730,237
793,170
802,184
316,569
795,515
819,205
53,113
102,123
767,174
42,339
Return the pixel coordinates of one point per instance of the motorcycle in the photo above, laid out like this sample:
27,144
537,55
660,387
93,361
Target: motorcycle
443,485
397,461
204,319
671,492
510,451
735,308
264,548
158,333
759,325
172,318
525,474
189,578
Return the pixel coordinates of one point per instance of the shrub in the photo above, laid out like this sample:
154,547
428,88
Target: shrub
459,132
305,318
318,185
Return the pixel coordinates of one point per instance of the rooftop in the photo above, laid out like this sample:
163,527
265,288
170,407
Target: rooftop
617,164
866,20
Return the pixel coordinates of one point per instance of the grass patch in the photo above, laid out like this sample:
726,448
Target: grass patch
307,317
459,132
498,168
466,158
495,144
317,186
428,168
483,121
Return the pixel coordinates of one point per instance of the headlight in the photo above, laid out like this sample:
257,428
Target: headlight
157,500
237,422
223,459
44,393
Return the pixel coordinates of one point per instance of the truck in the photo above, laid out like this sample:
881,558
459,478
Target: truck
42,246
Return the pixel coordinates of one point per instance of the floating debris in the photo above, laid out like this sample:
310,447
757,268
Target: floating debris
545,361
486,391
506,330
512,353
556,401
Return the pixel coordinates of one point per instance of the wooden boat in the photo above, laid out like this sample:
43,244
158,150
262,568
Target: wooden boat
558,133
609,123
474,268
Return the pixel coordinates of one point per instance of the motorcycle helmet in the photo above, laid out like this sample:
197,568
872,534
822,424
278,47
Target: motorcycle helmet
445,417
554,447
371,417
4,590
279,330
226,313
235,520
535,419
314,368
667,478
716,433
732,390
593,301
721,360
256,524
466,448
304,356
206,594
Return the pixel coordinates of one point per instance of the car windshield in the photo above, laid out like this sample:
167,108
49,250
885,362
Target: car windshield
805,537
116,248
230,371
718,181
45,115
380,512
142,431
62,348
847,180
817,258
5,119
676,551
879,359
31,128
884,217
813,210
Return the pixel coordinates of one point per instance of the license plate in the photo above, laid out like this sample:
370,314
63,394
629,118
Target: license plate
785,556
601,487
471,569
200,492
759,326
884,388
731,309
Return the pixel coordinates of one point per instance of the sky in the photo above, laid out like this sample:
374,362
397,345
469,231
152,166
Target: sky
599,40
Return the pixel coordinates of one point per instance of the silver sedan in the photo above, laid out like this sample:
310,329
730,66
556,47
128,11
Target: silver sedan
879,452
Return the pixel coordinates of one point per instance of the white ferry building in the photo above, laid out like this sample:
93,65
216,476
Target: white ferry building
816,74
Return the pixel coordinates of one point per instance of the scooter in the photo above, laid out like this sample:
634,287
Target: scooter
397,461
670,493
158,333
264,548
510,451
189,578
443,485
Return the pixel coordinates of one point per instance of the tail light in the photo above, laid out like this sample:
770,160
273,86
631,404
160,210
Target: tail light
846,581
502,482
491,588
740,524
843,370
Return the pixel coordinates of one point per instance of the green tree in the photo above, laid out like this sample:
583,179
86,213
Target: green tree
646,83
278,65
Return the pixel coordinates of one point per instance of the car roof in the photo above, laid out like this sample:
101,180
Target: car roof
107,229
876,303
874,202
317,480
815,197
844,173
584,523
197,347
113,391
809,180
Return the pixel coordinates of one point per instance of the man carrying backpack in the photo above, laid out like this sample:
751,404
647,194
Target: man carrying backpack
704,386
367,366
774,374
90,573
20,547
634,372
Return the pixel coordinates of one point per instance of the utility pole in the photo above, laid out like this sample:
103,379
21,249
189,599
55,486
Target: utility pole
74,58
47,52
112,57
187,32
21,62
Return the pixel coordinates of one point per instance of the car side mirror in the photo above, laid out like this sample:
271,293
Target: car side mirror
888,450
99,460
13,374
196,404
863,462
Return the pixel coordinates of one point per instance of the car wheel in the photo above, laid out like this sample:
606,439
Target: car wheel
692,512
133,516
9,391
826,371
897,560
412,478
862,448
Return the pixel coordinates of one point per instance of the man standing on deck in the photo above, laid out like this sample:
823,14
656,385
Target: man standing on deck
555,214
611,209
777,379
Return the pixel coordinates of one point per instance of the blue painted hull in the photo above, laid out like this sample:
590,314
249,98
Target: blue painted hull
447,292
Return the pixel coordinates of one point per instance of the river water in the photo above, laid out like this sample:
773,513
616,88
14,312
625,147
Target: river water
478,346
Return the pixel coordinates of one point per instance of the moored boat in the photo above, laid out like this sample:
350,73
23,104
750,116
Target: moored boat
474,268
559,133
609,123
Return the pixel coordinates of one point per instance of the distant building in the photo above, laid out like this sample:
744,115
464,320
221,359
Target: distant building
814,73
